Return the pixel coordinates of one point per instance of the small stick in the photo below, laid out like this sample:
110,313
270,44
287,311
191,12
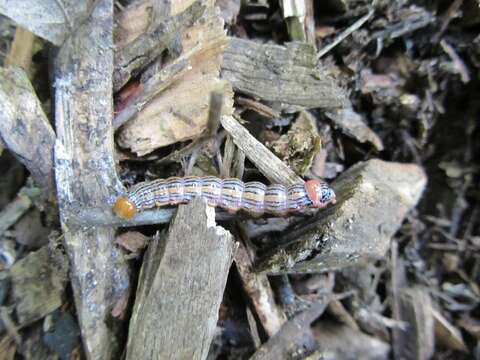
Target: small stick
269,165
354,27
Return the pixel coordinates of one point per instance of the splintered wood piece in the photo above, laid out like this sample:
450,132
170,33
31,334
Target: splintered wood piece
353,125
260,292
418,340
286,75
294,336
181,287
373,198
24,128
180,111
86,177
52,20
269,165
150,44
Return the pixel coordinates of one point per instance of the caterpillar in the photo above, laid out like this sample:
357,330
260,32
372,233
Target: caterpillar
230,194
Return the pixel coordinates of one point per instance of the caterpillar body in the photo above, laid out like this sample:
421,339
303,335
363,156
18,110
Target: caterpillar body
230,194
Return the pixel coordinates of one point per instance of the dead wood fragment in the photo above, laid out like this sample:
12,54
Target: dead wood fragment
49,19
146,47
269,165
257,106
38,284
294,338
447,334
181,286
372,199
86,177
355,26
24,128
353,125
286,75
418,340
21,52
149,87
17,208
259,292
180,112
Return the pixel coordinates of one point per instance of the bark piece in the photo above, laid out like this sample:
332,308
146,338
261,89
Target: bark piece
24,128
52,20
353,125
38,285
372,200
86,177
181,287
269,165
180,112
418,340
341,342
279,74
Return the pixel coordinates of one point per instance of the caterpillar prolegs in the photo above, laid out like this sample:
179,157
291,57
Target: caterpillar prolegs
229,194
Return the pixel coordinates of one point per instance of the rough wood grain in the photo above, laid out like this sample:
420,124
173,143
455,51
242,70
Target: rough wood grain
180,112
149,45
52,20
287,75
25,129
181,287
372,200
269,165
86,177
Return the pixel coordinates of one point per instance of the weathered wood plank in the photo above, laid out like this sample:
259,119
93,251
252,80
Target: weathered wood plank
86,177
286,75
372,200
181,287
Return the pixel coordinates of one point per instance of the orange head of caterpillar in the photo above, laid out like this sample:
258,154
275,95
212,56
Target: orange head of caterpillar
124,208
319,193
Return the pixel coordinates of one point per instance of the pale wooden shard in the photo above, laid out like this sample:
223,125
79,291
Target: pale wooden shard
181,287
372,200
286,75
86,177
180,111
269,165
418,340
25,129
259,291
353,125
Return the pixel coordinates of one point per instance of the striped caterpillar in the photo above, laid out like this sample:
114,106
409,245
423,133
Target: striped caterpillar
229,194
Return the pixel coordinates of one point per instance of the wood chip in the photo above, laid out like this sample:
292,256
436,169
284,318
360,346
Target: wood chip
181,286
279,74
180,112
